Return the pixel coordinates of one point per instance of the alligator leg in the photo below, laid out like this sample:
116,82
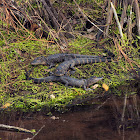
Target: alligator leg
69,73
28,73
51,65
87,89
72,72
64,81
73,69
51,73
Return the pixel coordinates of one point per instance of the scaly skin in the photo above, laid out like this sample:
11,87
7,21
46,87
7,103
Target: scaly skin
63,67
56,58
68,81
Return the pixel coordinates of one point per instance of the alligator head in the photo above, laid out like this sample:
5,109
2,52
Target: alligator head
39,60
92,80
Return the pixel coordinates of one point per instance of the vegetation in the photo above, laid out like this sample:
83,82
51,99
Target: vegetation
20,44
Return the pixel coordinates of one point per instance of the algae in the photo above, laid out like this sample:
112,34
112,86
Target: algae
19,49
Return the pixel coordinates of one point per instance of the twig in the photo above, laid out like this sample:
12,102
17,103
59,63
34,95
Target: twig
61,48
4,38
14,129
130,23
89,20
137,10
103,103
35,133
124,107
109,17
117,20
136,105
125,56
51,14
53,17
21,24
123,15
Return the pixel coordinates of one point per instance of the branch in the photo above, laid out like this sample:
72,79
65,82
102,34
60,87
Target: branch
35,134
89,20
117,20
137,10
14,129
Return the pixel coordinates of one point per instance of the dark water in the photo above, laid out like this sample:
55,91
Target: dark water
94,122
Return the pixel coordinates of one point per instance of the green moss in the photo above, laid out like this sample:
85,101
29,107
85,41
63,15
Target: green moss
17,51
27,96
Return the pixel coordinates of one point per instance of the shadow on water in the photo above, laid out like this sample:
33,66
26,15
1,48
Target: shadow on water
115,118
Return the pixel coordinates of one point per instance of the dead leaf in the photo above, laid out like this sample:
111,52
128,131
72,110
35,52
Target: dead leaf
106,87
6,105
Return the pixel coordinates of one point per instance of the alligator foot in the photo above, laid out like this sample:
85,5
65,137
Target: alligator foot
72,72
88,89
51,73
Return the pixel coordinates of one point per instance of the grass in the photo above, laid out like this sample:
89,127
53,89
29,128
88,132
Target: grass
19,48
27,96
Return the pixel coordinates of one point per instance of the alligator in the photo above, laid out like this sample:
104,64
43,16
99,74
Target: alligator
63,67
56,58
68,81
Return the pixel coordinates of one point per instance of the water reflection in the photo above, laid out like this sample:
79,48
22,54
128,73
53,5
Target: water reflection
96,122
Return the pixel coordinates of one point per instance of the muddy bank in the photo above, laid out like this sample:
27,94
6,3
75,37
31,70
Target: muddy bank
99,122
